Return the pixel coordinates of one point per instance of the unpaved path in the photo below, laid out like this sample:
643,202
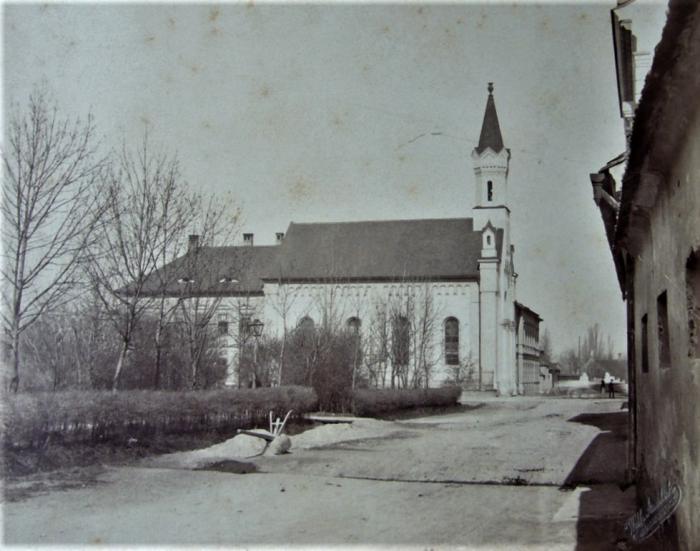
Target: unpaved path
430,481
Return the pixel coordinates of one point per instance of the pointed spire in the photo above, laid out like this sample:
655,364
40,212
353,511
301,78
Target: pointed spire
490,130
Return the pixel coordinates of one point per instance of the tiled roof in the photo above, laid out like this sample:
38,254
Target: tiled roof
215,271
490,130
388,249
435,249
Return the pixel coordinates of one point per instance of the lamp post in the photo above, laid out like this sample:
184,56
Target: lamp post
256,328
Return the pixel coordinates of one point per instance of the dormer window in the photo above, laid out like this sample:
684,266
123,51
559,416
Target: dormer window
489,191
488,240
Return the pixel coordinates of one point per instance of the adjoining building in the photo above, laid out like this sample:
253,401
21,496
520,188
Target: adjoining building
462,267
653,226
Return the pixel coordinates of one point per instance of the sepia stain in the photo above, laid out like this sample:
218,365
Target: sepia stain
264,91
420,10
582,17
171,22
206,125
460,21
386,29
97,541
481,21
401,158
145,120
250,4
215,31
214,14
300,190
545,24
149,39
412,191
195,68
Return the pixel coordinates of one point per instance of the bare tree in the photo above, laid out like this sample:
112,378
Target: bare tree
424,324
216,222
546,345
282,303
376,343
136,233
51,173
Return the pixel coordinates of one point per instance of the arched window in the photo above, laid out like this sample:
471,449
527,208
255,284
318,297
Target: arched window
353,325
306,324
400,333
306,328
489,191
452,341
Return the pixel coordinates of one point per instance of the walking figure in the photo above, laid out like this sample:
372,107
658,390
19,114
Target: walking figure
602,385
611,390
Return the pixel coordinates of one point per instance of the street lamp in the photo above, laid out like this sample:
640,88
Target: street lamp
256,328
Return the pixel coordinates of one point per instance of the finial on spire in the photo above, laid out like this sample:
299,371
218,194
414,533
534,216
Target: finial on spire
490,129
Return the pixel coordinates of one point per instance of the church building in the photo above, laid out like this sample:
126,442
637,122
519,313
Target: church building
459,272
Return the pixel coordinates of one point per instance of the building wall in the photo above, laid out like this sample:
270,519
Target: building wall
454,299
667,397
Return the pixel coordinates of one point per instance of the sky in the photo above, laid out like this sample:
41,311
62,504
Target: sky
339,112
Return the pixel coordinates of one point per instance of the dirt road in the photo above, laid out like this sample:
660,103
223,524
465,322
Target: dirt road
487,477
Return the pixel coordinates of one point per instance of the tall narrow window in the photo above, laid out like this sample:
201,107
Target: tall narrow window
306,329
663,335
489,191
452,341
692,293
400,340
645,344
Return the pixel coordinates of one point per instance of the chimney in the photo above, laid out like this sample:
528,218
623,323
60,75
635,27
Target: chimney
193,243
248,239
279,236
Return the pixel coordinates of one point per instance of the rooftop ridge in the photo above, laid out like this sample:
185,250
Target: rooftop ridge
382,221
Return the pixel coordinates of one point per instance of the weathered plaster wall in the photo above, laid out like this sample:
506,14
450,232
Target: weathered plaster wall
668,408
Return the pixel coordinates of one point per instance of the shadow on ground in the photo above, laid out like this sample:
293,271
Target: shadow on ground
609,502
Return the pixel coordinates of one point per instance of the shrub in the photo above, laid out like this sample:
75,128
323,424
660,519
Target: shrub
32,420
372,402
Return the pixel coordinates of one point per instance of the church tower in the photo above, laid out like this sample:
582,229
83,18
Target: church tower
491,161
491,217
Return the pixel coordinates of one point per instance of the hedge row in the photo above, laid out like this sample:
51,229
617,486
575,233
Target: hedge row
372,402
33,420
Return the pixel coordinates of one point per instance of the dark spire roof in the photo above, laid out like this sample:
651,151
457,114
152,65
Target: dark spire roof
490,130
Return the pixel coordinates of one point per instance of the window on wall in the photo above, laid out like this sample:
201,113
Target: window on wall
645,344
306,327
400,339
354,325
489,191
452,341
664,339
692,293
223,328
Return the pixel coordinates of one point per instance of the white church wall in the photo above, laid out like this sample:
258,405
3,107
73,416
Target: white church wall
448,299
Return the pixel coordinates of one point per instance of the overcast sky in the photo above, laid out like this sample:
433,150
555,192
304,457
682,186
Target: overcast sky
325,112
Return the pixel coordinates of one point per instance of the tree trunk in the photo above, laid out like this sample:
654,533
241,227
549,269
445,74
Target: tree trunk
14,381
159,348
120,365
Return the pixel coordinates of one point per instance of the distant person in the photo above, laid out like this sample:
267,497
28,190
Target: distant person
602,385
611,389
